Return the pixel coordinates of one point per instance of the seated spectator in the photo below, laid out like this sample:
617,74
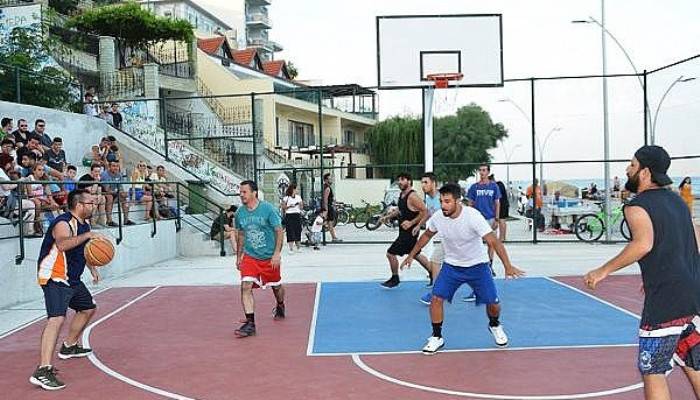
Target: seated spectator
10,196
94,156
225,224
22,134
30,159
40,195
99,218
140,193
40,132
89,106
7,146
34,144
69,178
111,189
116,116
5,128
55,156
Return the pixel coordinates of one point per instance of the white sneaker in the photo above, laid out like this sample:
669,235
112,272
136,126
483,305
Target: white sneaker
434,344
499,335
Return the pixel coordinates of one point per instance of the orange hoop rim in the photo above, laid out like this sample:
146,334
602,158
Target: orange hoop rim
442,80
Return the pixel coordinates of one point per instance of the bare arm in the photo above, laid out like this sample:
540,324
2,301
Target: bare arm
642,242
326,193
65,241
697,235
240,239
279,242
498,208
422,241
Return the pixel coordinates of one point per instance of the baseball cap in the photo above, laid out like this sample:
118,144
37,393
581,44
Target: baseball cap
657,160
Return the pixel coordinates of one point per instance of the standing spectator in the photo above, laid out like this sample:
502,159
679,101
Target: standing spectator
105,115
140,193
485,196
292,204
225,225
536,201
328,206
40,132
5,128
503,209
112,177
316,231
22,133
55,156
686,189
116,116
89,107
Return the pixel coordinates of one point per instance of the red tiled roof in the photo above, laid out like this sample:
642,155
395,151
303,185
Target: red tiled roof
244,57
274,67
211,45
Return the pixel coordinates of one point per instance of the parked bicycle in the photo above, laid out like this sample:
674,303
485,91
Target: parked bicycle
590,227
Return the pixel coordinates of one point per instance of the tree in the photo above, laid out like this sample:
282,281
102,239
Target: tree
464,138
27,54
133,27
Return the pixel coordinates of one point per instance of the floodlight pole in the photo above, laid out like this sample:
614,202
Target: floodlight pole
606,125
428,96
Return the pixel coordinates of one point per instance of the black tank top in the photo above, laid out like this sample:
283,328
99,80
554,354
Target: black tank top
671,270
405,213
330,196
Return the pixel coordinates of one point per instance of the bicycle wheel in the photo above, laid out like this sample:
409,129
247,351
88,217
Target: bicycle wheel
343,217
589,227
361,219
373,222
625,230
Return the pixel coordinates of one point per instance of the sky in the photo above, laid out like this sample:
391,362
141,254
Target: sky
334,42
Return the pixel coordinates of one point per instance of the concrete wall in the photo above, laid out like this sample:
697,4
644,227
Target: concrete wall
352,191
18,283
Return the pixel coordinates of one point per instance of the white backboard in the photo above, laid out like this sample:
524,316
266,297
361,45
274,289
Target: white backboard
410,47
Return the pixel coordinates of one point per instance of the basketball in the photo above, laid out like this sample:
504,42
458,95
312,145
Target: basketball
99,252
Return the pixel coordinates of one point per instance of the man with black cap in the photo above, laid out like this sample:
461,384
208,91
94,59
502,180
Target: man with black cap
665,244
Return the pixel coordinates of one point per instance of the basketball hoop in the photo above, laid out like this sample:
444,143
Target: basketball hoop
442,81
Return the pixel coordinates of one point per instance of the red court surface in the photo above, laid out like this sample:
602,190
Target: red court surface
179,342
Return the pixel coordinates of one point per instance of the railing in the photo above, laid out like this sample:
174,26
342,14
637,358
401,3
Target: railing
167,200
258,18
125,83
229,115
177,70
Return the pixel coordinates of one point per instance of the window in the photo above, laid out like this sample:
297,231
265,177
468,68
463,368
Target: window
349,138
301,134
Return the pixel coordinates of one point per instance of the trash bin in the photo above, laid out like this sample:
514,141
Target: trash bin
197,195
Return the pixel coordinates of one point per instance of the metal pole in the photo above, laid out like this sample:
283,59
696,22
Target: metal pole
606,126
646,110
119,213
164,124
222,251
255,138
535,210
19,258
320,146
428,96
154,210
178,221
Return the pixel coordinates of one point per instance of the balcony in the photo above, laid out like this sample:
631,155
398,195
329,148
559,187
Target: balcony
258,2
264,43
258,20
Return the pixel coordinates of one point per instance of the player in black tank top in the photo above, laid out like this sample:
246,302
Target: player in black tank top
411,212
665,244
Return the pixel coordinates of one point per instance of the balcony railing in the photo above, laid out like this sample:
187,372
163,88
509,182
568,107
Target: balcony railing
177,70
258,18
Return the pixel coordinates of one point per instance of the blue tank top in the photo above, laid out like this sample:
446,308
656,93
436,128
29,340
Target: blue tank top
58,265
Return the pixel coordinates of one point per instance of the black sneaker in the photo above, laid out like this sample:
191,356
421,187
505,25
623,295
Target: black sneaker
45,377
112,224
129,222
391,283
74,351
278,313
247,329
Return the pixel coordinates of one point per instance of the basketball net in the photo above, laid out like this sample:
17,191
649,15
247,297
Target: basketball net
445,96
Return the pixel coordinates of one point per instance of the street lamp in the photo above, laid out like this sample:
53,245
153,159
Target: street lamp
544,143
508,156
678,80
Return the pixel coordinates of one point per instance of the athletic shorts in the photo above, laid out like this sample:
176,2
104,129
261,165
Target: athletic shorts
59,296
478,277
662,345
136,194
503,211
403,244
260,272
438,255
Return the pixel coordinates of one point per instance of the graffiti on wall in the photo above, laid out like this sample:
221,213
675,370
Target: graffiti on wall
18,17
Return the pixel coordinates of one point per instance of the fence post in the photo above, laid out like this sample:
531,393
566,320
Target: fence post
17,86
535,210
119,213
164,124
320,146
154,210
19,258
178,220
646,111
222,252
255,138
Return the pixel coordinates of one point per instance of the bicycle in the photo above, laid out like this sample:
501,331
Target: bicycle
590,227
343,212
362,215
375,221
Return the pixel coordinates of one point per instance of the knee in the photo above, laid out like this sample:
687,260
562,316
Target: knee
247,287
89,312
438,301
55,321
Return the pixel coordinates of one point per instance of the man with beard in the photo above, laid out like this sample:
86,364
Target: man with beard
60,266
260,235
411,211
665,244
463,231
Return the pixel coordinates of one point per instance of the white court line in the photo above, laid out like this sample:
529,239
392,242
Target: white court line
96,361
383,353
358,361
312,329
596,298
42,317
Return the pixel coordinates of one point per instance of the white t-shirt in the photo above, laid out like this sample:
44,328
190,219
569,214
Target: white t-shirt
5,190
317,227
462,237
293,204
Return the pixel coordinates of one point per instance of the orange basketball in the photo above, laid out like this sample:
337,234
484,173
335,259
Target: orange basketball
99,252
